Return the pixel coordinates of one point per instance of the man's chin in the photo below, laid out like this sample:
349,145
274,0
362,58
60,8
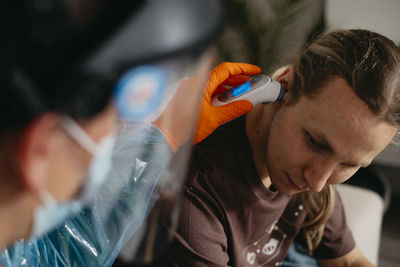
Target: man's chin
283,190
288,192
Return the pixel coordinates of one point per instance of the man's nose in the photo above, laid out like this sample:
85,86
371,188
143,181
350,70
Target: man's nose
318,173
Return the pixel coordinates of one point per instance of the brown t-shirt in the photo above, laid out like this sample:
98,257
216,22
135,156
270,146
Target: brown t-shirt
229,218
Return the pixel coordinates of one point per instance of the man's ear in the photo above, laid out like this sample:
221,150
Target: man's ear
36,147
285,76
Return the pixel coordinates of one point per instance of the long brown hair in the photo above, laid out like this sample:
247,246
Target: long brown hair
319,207
370,64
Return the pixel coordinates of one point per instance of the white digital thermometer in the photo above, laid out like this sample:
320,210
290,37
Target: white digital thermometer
259,89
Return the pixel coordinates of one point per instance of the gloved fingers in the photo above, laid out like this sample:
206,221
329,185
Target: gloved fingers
236,80
231,81
219,89
227,69
212,117
206,124
233,110
224,70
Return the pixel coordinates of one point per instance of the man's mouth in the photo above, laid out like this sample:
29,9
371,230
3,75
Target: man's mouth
293,185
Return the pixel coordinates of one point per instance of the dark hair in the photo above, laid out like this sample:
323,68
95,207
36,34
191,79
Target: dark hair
370,64
79,96
65,56
42,52
40,56
23,100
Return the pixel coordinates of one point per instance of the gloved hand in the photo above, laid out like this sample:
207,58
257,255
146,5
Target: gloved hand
178,119
211,117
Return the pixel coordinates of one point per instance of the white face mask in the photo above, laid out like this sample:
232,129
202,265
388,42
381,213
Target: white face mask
50,213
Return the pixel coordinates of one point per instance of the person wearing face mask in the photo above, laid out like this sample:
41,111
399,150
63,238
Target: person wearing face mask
101,104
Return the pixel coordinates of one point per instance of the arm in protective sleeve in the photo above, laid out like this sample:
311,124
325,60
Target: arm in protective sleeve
96,235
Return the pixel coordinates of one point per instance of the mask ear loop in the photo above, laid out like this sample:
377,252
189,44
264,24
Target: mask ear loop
82,138
47,199
79,135
106,144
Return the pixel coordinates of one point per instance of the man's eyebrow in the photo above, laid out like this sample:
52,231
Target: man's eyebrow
321,140
324,144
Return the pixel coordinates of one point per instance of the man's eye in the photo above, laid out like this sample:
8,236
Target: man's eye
313,142
354,166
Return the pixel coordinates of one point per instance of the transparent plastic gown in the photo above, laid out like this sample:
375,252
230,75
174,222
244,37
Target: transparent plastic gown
95,237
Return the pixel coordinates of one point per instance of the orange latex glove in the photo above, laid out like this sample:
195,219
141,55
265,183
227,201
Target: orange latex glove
211,117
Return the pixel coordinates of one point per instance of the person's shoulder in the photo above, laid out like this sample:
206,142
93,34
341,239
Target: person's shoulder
224,139
220,148
216,158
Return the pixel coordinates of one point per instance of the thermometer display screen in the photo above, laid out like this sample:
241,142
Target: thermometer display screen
241,89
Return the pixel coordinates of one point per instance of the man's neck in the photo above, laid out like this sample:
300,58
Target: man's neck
258,122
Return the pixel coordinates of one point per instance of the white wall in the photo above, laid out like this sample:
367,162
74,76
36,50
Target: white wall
382,16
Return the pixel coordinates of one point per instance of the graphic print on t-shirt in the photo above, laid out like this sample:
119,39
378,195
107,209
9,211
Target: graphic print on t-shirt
266,248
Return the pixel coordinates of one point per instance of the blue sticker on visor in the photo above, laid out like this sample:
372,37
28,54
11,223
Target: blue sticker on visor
139,92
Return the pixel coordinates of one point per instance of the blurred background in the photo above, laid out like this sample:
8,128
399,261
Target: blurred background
268,32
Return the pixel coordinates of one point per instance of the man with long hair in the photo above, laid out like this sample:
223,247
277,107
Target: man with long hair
267,178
